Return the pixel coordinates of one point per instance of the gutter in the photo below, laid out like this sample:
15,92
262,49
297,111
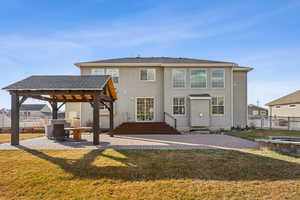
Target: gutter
155,64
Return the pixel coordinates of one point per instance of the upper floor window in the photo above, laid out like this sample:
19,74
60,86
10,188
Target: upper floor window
198,78
147,74
178,78
98,71
218,78
218,106
292,105
114,73
179,106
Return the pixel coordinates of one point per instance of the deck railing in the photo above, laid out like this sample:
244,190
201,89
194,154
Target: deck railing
172,117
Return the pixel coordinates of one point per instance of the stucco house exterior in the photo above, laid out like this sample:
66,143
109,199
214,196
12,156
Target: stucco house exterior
198,93
286,106
255,111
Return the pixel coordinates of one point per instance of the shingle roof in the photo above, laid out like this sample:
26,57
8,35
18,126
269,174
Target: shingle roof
87,82
259,107
32,107
288,99
161,60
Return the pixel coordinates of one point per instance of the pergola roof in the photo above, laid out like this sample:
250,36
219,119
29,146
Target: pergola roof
65,88
88,82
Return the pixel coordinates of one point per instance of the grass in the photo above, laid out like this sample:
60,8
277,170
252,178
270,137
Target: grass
148,174
260,134
5,137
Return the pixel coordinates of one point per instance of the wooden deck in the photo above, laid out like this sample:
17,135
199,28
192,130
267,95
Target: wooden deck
145,128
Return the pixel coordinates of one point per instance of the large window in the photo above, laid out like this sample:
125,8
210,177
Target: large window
198,78
114,73
179,106
218,78
178,78
147,74
218,105
98,72
145,109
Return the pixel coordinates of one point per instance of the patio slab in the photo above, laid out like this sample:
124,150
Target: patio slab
189,141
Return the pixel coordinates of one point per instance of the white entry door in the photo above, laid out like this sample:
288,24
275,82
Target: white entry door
200,112
144,109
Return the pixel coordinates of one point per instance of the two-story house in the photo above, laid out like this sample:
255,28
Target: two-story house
197,93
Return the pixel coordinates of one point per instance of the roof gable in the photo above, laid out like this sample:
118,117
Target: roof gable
288,99
32,107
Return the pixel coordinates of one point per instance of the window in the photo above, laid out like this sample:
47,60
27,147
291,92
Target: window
292,106
277,107
147,74
178,78
198,78
179,106
218,78
263,112
114,73
102,107
218,105
255,112
98,72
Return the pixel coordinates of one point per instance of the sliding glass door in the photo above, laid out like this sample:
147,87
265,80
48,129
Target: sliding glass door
145,109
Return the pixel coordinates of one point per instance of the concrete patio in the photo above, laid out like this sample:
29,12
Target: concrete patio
201,141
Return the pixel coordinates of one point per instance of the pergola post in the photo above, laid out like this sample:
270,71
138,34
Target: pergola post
15,119
111,118
54,109
96,119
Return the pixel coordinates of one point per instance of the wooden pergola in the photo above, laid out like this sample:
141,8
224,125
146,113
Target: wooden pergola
58,90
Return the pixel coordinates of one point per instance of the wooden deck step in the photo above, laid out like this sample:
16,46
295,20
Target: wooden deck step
145,128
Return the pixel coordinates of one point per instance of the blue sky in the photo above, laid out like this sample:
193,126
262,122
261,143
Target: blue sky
47,37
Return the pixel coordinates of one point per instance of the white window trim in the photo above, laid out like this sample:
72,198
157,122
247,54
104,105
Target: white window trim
292,106
224,76
154,111
147,74
172,78
206,74
218,115
172,104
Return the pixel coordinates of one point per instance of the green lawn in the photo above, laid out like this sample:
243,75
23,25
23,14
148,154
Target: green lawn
148,174
260,134
5,137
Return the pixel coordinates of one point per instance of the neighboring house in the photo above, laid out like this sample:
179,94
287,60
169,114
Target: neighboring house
256,111
35,111
286,106
4,118
198,93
